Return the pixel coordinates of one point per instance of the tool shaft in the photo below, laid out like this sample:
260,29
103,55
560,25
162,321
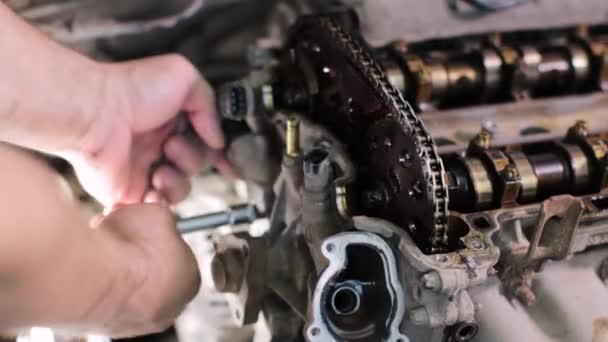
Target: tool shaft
239,214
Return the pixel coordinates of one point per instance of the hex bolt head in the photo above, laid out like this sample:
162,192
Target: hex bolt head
483,140
227,269
375,198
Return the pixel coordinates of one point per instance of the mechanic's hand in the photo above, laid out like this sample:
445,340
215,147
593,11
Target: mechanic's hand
136,126
163,274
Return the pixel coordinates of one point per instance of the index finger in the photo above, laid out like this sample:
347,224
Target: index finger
200,106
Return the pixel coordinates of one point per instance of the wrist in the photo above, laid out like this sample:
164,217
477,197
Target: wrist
56,117
97,107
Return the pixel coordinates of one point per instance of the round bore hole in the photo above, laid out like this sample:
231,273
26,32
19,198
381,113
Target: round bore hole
317,156
442,258
345,301
315,331
330,248
466,331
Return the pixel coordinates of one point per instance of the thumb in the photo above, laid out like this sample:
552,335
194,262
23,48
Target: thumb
166,269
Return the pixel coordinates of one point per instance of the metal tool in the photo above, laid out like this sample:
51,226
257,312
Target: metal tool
238,214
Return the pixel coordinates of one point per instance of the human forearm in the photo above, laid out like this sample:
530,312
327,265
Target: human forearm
48,93
131,275
54,270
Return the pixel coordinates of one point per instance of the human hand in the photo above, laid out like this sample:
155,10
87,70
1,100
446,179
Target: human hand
137,118
162,273
131,274
112,121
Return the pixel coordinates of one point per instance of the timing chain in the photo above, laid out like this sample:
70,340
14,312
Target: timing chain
408,120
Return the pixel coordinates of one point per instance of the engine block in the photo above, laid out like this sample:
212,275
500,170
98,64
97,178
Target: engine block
399,195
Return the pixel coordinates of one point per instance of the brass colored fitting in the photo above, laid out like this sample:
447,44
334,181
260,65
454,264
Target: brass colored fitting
483,140
342,201
423,78
292,137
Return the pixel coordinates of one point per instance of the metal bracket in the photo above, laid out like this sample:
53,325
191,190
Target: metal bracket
551,239
554,233
245,297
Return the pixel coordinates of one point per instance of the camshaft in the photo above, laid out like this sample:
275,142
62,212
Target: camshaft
489,178
465,71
